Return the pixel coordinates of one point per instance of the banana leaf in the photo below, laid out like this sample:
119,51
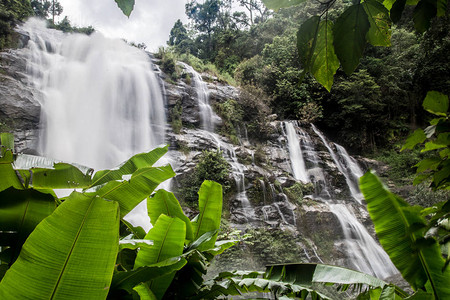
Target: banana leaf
129,193
163,202
138,161
168,236
20,212
70,255
210,207
401,231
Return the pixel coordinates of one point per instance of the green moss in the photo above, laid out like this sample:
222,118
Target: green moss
175,116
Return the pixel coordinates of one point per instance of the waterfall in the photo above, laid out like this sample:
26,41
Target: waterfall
295,154
207,116
363,252
351,178
101,102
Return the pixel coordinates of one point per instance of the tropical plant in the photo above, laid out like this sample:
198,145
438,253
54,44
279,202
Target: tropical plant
324,45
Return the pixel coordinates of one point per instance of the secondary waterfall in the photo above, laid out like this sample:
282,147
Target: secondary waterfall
362,250
101,102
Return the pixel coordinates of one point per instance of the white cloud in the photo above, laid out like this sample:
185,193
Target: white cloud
150,22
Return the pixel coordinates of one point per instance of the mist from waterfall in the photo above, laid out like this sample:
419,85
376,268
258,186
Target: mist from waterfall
101,101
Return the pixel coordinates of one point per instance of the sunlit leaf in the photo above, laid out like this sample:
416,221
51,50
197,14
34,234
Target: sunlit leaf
70,255
141,160
129,193
380,24
210,207
126,6
168,236
436,103
350,32
163,202
277,4
415,138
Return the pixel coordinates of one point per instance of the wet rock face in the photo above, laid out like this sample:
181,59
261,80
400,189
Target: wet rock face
19,108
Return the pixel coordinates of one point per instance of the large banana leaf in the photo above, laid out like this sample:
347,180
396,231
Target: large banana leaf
70,254
20,212
400,229
163,202
128,280
46,173
7,174
168,236
210,207
129,193
138,161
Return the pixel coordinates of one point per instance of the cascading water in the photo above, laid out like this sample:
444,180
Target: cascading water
350,177
207,116
363,252
295,154
102,102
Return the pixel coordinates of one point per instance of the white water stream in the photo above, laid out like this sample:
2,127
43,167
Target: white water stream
101,101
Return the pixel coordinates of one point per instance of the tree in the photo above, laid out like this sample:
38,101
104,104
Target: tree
46,8
179,38
257,11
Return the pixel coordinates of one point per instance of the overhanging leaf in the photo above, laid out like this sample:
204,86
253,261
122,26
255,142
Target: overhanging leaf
70,254
380,24
316,50
6,142
436,103
424,11
397,10
163,202
277,4
126,6
415,138
350,32
7,173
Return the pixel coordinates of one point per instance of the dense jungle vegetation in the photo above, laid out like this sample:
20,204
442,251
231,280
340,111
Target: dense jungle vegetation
80,247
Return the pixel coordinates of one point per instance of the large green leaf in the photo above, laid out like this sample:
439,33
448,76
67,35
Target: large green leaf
168,236
128,280
400,229
417,137
210,207
350,36
380,24
130,193
6,142
70,254
316,50
163,202
7,174
45,173
20,212
424,11
277,4
138,161
126,6
436,103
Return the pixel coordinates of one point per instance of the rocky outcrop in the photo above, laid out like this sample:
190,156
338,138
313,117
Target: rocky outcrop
19,107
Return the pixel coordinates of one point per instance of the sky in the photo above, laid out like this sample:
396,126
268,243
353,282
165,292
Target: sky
150,21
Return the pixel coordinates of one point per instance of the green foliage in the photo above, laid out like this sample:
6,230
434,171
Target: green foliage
402,230
401,165
11,12
232,115
435,141
126,6
168,62
211,166
65,26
